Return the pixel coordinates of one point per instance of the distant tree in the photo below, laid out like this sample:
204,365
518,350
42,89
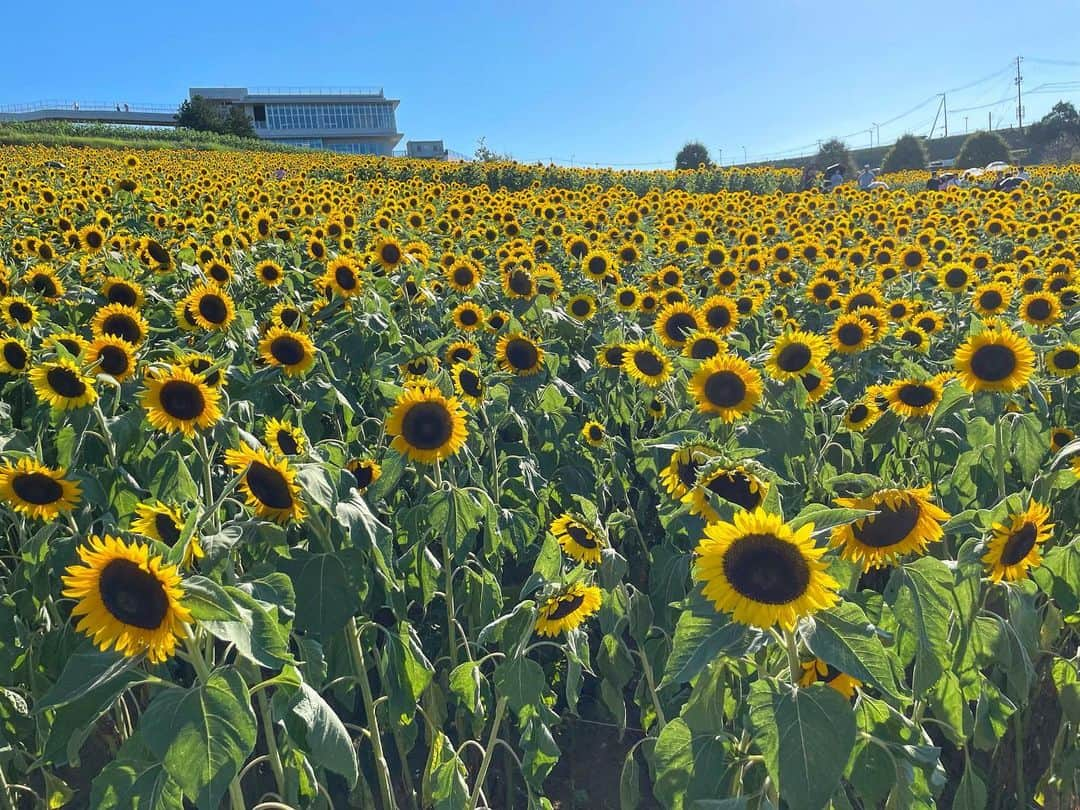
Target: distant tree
833,151
1065,148
907,153
198,113
980,148
692,155
237,123
485,154
1062,120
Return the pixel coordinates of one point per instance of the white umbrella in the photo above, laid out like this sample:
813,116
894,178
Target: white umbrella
997,166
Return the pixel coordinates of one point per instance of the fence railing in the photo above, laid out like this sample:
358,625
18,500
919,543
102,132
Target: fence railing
315,91
86,106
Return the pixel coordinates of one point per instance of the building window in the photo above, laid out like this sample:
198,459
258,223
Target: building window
329,116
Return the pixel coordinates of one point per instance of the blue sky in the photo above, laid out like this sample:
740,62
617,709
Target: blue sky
593,82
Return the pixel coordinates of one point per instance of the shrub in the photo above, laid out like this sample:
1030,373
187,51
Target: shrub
907,153
981,148
693,155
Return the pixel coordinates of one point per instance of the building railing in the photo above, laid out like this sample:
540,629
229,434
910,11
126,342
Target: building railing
315,91
88,106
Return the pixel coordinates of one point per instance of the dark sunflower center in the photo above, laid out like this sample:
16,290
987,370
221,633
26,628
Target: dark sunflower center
94,239
182,400
463,276
766,569
991,299
912,337
794,357
861,300
580,307
565,606
597,266
822,291
468,317
648,363
520,282
1039,309
363,475
37,488
704,348
1064,359
44,285
114,360
718,317
917,395
269,272
615,355
627,298
168,531
734,487
725,389
287,442
427,425
1019,544
687,472
726,278
20,312
65,382
269,486
850,334
993,362
16,356
679,325
133,596
470,383
859,412
890,526
912,259
122,294
345,278
956,277
122,326
596,433
462,354
212,308
521,354
582,536
72,346
287,350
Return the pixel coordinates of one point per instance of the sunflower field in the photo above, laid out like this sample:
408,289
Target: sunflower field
333,482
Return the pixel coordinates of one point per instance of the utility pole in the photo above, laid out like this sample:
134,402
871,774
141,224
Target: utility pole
720,152
878,128
871,131
744,158
965,125
989,121
945,110
1019,99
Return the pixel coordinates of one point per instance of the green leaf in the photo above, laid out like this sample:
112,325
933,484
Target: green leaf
806,736
950,709
953,397
320,733
1067,682
170,479
928,583
444,786
202,735
257,635
971,792
465,684
1059,576
825,518
844,637
701,635
208,601
85,671
630,784
74,721
522,682
673,759
408,672
326,596
135,781
457,515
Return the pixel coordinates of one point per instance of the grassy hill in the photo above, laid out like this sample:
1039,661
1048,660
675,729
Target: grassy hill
58,133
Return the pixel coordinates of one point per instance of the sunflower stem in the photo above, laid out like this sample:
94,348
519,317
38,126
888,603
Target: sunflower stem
448,583
489,750
5,793
999,453
1018,749
271,739
106,436
208,482
792,656
352,637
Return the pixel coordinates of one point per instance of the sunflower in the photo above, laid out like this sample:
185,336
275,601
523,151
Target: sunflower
795,352
164,524
113,356
1064,361
645,363
567,609
211,307
581,307
1040,309
364,472
994,360
1059,437
17,311
468,316
205,366
469,384
519,354
519,283
906,521
675,323
955,277
578,540
816,671
427,426
912,398
343,276
71,342
62,384
991,299
914,337
738,486
611,355
284,438
859,416
762,572
1016,547
269,273
627,298
268,483
127,600
178,400
36,490
288,315
727,386
43,280
419,367
850,334
461,351
463,275
594,433
817,381
292,352
596,264
702,345
389,253
721,314
14,356
681,473
118,320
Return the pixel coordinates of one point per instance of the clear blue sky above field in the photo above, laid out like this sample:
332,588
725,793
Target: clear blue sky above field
593,82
